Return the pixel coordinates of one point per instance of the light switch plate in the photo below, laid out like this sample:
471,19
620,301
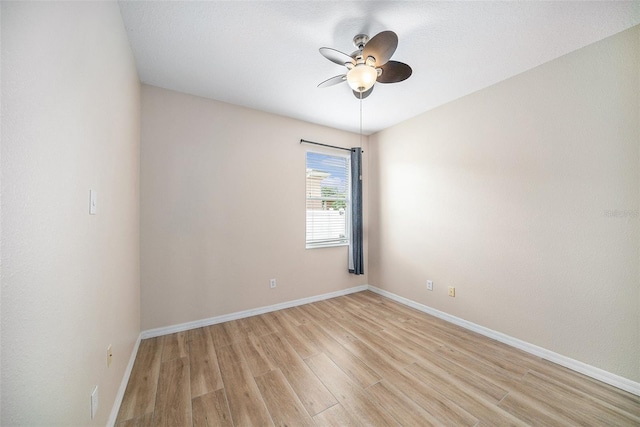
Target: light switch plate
93,202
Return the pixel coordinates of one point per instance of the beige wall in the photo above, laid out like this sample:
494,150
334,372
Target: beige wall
70,281
223,210
525,197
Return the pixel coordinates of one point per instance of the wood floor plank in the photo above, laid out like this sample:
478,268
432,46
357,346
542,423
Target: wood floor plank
412,348
594,389
357,301
351,396
480,367
173,403
140,395
211,410
475,348
255,356
499,376
234,331
409,334
332,309
300,343
312,393
142,421
264,319
256,326
197,334
337,332
397,355
397,311
354,312
526,399
591,410
204,369
316,311
355,368
372,297
468,399
336,416
283,403
532,411
471,380
326,308
291,315
297,315
399,406
558,409
245,401
374,310
174,346
443,409
368,320
221,336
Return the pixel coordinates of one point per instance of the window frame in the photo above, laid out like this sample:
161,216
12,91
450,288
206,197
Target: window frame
347,199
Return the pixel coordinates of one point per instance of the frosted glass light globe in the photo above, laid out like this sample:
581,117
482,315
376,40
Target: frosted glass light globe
362,77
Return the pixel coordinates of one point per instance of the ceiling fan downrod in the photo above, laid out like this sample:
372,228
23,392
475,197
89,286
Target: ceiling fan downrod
360,40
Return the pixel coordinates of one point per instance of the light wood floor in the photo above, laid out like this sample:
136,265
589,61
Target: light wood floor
360,359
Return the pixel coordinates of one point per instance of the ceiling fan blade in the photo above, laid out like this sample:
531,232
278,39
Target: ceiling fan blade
381,47
336,56
333,81
364,94
393,72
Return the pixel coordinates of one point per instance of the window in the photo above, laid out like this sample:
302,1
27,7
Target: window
328,204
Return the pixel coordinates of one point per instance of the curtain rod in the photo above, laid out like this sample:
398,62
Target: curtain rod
324,145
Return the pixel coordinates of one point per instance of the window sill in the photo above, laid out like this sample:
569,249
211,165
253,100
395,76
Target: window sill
332,245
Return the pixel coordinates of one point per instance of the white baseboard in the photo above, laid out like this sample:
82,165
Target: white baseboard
567,362
123,384
246,313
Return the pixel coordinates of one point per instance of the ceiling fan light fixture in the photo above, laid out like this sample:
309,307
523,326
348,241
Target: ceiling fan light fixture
361,77
368,65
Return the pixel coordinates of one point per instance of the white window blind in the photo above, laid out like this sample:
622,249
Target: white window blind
328,204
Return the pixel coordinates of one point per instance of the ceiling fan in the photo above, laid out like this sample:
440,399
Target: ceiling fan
369,64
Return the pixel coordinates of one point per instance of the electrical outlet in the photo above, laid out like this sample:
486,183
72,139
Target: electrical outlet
109,355
452,291
272,283
94,402
430,285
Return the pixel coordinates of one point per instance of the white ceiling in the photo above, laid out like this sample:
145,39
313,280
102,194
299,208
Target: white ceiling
264,54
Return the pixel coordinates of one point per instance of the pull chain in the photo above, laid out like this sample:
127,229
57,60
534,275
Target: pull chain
360,120
360,176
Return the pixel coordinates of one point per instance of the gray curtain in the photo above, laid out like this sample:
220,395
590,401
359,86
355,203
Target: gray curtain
356,258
